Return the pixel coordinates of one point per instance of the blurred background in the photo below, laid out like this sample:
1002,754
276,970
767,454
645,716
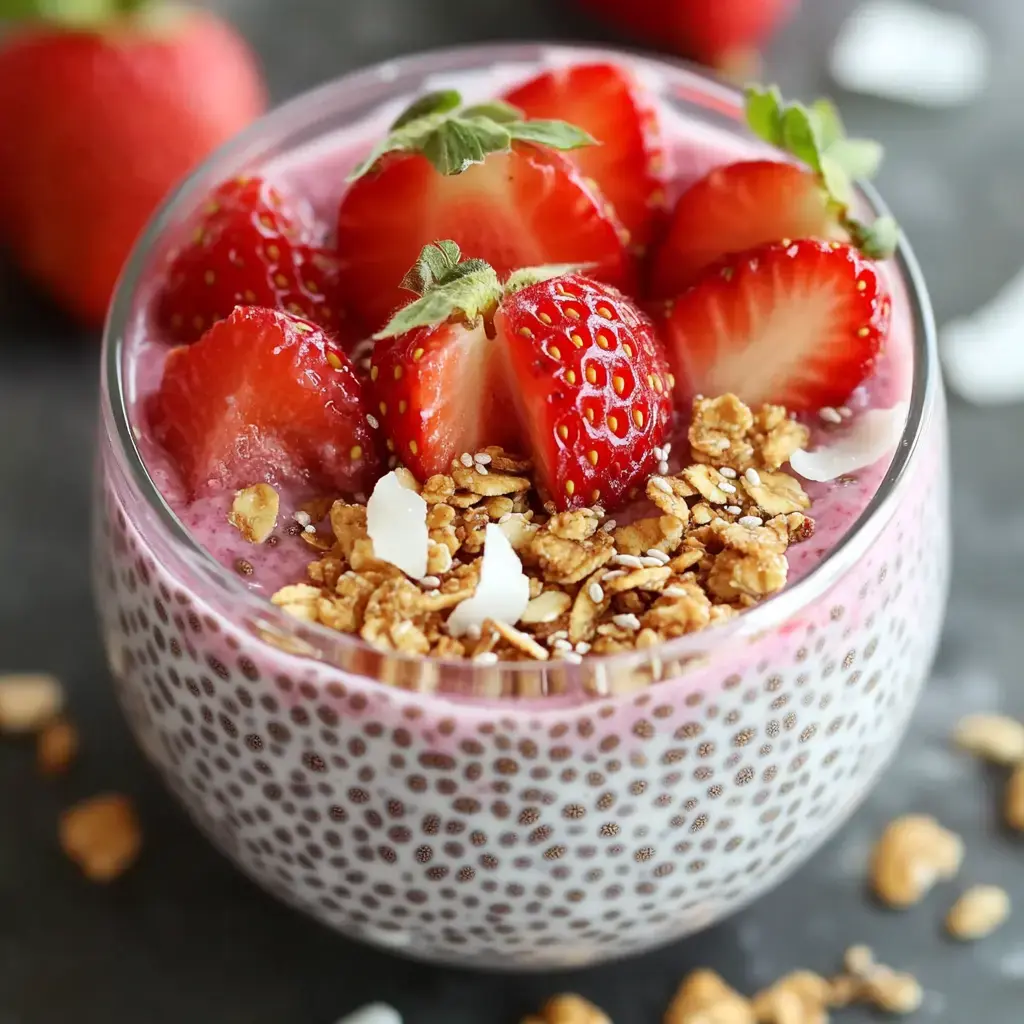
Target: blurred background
183,937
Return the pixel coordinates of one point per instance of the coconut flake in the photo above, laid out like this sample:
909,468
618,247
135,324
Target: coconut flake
503,591
396,522
908,52
870,436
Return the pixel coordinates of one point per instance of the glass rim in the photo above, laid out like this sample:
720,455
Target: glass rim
377,667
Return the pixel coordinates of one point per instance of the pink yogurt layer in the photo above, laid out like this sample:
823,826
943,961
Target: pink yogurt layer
319,175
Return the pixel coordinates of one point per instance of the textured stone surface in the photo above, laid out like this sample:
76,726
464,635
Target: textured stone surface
185,938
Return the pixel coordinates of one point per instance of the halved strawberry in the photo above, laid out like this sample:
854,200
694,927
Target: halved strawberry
564,366
264,396
738,207
484,179
799,324
606,101
252,246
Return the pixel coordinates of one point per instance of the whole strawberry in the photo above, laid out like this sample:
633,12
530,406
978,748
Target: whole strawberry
713,31
553,362
100,117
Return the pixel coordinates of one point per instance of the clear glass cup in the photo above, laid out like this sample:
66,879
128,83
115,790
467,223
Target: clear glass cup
529,815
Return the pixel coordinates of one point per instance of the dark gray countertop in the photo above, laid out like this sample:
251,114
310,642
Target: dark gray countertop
184,938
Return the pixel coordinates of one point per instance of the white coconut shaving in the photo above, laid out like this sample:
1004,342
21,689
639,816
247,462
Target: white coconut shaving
396,522
375,1013
982,354
503,591
871,435
902,50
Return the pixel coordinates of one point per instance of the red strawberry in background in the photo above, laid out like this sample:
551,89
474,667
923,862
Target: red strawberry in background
628,164
264,396
798,324
716,32
250,245
561,365
484,178
100,116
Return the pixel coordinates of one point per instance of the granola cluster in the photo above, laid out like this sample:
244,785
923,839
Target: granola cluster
713,543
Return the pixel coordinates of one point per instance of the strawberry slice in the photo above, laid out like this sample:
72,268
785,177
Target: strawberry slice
484,179
250,245
264,396
739,207
799,324
563,365
606,101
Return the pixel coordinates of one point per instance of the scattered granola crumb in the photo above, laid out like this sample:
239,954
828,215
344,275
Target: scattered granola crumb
996,738
978,912
29,701
703,997
913,853
254,512
102,836
56,747
568,1009
799,998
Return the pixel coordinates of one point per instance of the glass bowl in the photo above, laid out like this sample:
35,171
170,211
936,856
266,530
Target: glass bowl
515,816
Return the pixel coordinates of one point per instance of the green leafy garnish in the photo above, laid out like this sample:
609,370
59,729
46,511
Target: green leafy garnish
816,137
450,287
455,139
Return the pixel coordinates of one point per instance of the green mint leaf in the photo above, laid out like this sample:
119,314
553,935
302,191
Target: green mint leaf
494,110
441,102
456,144
523,278
829,123
878,240
435,262
466,297
554,134
764,113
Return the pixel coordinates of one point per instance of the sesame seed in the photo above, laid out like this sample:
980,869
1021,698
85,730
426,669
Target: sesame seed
583,647
559,634
613,574
844,412
647,562
373,421
724,485
627,621
661,484
667,449
562,645
309,529
751,522
658,555
659,454
723,444
430,582
628,561
609,525
504,518
570,656
481,469
675,592
752,477
595,593
734,510
663,467
482,458
302,518
466,459
830,415
728,472
486,658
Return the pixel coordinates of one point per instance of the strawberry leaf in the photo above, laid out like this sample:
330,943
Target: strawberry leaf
453,139
523,278
555,134
764,113
467,297
878,239
432,103
435,262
